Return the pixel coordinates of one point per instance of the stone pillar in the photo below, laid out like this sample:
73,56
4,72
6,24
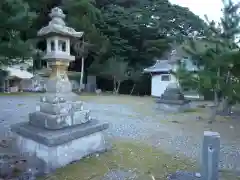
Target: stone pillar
210,156
68,46
56,43
48,45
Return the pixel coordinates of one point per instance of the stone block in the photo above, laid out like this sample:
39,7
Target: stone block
60,108
59,84
57,137
210,155
172,107
177,102
120,174
57,97
79,117
58,121
184,175
60,147
52,98
61,155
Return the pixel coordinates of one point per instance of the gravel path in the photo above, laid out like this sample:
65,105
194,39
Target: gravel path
124,123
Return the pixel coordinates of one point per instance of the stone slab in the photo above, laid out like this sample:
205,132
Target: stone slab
120,175
184,175
59,121
61,155
53,138
53,98
60,108
57,97
174,102
172,107
64,57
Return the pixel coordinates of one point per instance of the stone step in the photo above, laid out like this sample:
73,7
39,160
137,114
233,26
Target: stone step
59,121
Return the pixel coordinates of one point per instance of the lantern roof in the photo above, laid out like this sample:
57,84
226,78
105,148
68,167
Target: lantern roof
58,26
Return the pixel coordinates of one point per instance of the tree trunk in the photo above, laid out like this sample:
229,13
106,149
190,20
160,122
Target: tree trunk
118,86
213,114
132,89
214,108
114,85
226,107
82,73
2,84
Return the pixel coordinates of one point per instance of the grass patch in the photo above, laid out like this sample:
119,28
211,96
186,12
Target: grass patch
145,159
228,175
106,98
143,105
128,155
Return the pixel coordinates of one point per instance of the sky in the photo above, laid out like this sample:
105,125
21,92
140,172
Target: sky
212,8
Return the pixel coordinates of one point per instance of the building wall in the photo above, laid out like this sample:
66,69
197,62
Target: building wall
160,82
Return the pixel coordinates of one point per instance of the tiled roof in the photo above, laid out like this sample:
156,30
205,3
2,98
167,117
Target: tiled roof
168,65
22,74
160,66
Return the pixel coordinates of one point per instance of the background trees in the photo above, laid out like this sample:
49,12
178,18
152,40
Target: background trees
139,31
128,32
16,17
216,56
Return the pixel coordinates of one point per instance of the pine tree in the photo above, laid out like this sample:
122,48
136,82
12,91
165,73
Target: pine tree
15,18
213,55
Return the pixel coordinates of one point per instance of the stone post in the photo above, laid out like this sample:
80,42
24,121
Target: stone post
210,160
210,156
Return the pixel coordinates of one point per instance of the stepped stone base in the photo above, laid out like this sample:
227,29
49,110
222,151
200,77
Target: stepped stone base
59,97
59,121
58,148
55,112
172,102
173,107
60,108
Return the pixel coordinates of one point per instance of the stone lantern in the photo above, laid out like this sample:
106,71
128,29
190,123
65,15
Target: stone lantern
58,56
60,131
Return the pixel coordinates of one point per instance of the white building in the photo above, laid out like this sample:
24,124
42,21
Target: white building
12,82
161,73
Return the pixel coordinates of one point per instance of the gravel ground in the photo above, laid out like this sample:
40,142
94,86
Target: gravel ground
124,123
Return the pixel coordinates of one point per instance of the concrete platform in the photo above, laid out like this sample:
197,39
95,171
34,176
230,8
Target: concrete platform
60,147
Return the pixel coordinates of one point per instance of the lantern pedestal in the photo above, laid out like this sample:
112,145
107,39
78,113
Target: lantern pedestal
55,149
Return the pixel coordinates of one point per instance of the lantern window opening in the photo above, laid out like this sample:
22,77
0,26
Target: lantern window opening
62,45
52,45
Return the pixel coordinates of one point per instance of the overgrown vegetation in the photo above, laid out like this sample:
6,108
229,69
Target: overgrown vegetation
216,56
